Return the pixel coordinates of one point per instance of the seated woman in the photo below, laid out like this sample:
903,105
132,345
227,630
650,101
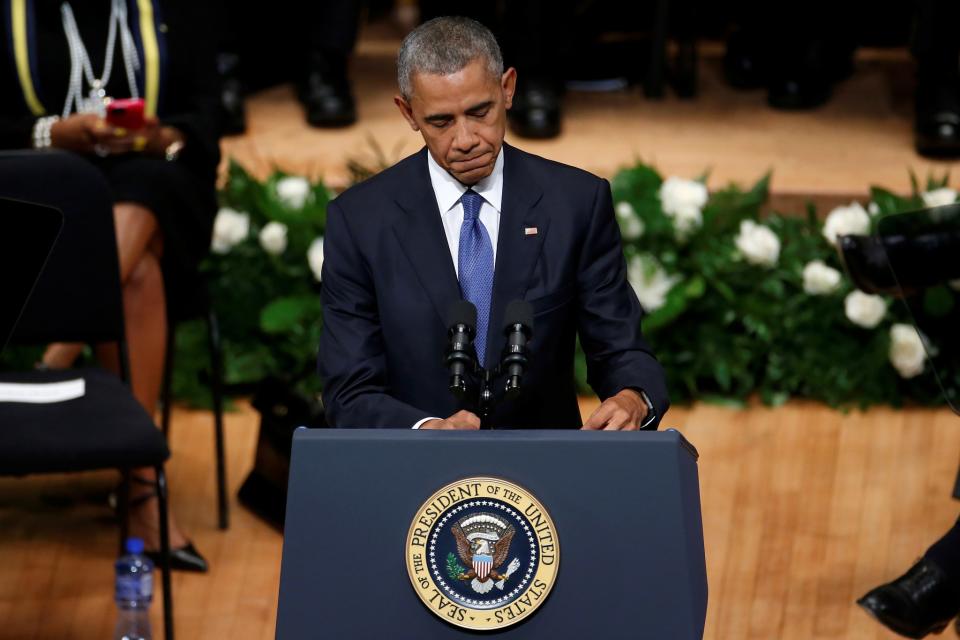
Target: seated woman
61,66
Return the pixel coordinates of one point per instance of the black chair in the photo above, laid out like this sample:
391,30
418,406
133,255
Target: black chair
198,304
78,299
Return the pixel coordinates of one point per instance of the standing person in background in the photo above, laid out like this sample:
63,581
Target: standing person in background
60,63
325,34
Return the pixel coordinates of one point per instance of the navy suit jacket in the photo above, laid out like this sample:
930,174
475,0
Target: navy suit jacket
388,280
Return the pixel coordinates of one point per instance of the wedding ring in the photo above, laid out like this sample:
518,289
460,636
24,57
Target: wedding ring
139,143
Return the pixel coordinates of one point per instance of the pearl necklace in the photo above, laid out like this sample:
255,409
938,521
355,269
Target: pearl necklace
80,66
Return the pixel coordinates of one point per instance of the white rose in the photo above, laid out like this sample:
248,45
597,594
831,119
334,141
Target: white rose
758,244
819,279
873,208
273,238
315,257
864,309
631,226
686,221
650,282
230,228
852,220
906,350
683,201
293,191
938,198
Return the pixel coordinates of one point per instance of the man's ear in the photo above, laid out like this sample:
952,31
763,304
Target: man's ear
406,111
508,84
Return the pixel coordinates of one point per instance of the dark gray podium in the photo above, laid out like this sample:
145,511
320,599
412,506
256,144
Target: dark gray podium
626,507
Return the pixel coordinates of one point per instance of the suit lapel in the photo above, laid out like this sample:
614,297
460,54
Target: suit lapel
422,238
517,251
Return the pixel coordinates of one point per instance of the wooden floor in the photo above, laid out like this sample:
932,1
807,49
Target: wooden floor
804,510
863,137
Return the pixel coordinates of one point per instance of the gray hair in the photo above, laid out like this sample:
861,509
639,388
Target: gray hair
443,46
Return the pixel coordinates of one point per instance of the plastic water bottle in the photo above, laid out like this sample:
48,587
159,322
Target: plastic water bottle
133,593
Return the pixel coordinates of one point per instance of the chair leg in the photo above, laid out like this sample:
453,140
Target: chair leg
123,509
166,393
216,390
165,553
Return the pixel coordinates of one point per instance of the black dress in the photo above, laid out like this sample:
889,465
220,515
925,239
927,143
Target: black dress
181,193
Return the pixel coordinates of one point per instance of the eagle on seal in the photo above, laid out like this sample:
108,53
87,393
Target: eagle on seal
484,556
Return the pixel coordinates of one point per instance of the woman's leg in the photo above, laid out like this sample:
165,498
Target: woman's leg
137,232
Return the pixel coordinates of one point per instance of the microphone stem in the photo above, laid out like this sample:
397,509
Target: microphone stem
486,398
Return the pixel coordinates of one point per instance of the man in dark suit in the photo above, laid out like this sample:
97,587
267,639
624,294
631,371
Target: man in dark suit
471,217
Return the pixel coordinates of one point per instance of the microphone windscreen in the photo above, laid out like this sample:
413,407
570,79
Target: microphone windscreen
519,312
462,312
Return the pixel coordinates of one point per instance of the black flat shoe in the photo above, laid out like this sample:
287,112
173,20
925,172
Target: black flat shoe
920,602
185,558
938,135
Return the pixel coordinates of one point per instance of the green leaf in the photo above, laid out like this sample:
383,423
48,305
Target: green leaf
938,302
887,201
286,314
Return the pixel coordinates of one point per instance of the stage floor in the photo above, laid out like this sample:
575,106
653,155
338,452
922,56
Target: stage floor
804,510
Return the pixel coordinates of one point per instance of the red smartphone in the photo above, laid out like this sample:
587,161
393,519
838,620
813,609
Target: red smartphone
126,113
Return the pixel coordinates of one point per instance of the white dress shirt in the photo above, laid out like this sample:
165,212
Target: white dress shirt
448,191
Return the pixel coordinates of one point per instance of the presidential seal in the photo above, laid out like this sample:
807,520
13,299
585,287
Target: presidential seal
482,553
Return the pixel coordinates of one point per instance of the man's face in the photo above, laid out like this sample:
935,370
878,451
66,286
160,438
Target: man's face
462,117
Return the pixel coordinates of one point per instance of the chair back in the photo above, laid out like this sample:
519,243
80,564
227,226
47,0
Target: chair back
78,296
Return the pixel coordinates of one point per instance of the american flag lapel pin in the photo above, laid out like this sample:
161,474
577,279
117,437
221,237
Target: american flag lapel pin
529,231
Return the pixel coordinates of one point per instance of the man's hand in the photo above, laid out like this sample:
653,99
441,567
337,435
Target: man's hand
625,411
461,420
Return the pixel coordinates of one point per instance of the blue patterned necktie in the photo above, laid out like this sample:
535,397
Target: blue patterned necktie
475,266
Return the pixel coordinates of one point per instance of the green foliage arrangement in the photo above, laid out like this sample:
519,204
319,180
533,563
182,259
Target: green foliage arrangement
738,303
263,272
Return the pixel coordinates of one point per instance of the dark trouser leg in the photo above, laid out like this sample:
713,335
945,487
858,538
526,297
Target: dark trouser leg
332,36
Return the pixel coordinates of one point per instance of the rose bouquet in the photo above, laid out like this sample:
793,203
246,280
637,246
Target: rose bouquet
738,304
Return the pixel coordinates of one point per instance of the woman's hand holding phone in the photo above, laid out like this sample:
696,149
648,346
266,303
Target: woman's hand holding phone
90,135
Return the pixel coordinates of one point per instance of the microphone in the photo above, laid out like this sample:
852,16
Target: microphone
519,329
462,323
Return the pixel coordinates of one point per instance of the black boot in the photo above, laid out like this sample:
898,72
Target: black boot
233,117
536,110
923,600
326,93
937,116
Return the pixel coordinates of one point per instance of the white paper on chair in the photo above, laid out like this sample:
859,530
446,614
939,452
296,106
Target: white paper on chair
42,392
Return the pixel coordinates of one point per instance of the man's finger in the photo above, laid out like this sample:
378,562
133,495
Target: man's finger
599,417
618,420
628,424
